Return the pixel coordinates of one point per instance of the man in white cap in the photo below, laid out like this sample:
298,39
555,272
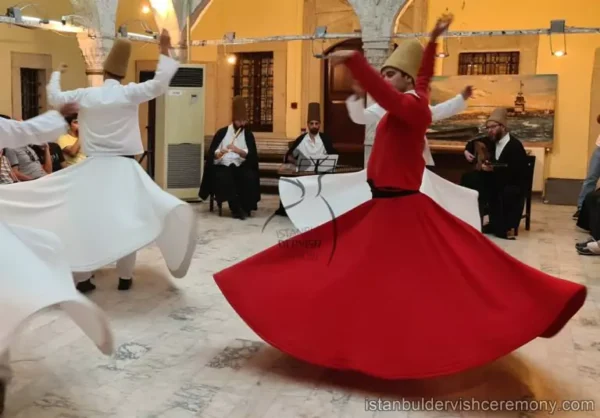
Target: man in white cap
106,207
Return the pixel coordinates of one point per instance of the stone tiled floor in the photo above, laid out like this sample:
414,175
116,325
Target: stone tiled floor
182,351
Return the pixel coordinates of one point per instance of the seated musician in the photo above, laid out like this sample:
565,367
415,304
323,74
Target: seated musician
313,144
500,176
231,171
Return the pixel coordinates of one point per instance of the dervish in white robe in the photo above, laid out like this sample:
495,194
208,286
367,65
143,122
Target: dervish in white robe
311,201
107,207
35,271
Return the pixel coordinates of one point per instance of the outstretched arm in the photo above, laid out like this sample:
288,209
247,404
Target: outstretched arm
398,104
47,127
361,116
58,98
448,108
167,67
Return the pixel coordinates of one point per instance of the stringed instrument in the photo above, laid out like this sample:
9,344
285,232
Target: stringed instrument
482,155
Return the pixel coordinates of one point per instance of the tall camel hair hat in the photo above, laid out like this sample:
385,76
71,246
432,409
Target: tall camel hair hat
118,58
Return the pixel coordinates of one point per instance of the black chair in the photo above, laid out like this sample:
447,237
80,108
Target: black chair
528,192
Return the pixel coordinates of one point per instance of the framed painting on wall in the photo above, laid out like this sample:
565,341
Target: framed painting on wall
530,100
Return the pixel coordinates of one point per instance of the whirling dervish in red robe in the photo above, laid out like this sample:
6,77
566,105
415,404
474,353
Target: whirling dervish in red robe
397,288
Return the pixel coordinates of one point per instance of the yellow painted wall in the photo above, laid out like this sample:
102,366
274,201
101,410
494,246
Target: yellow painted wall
61,48
249,20
569,156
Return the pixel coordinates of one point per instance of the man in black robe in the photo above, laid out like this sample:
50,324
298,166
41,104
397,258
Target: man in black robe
501,181
313,144
231,171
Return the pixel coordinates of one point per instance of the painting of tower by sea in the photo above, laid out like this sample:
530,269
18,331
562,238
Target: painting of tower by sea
530,100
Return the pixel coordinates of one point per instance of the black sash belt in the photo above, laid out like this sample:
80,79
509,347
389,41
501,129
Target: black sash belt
383,193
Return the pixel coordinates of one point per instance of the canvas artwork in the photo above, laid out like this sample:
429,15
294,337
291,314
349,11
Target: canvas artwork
530,100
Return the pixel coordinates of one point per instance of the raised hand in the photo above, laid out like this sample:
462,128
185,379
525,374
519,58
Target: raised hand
467,92
63,67
340,56
441,25
165,39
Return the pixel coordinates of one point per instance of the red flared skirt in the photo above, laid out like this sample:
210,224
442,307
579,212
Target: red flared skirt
396,288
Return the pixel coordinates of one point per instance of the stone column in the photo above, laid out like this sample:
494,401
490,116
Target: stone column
95,51
378,22
172,15
100,16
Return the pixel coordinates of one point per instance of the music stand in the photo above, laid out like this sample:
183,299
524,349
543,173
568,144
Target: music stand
324,164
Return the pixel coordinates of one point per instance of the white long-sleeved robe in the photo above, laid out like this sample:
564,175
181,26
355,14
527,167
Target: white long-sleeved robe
35,272
107,206
344,192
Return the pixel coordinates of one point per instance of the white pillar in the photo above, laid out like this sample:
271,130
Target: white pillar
95,44
178,17
378,22
95,51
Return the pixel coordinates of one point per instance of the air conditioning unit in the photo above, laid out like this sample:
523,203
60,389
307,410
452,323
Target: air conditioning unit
179,141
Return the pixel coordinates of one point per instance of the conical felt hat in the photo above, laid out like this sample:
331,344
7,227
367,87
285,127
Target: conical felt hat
406,58
314,112
118,59
499,116
238,111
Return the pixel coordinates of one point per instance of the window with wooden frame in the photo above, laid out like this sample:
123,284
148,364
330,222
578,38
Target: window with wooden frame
253,80
31,83
488,63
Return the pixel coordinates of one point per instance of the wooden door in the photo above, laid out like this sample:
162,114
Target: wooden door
348,138
151,128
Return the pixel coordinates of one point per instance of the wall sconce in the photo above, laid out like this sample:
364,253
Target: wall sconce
15,13
231,59
444,53
320,32
558,26
146,9
229,37
123,31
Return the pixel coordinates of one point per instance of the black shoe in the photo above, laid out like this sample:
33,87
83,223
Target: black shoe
576,214
586,251
584,244
2,396
239,214
86,287
125,284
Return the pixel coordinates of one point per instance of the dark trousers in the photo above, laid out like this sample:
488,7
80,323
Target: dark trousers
589,218
482,182
506,209
503,203
235,185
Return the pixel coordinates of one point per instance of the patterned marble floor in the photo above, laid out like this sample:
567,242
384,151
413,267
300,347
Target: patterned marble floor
182,351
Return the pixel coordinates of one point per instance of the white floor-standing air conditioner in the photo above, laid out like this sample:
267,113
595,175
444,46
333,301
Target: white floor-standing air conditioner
179,141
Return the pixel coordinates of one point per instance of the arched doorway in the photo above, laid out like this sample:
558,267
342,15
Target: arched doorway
348,137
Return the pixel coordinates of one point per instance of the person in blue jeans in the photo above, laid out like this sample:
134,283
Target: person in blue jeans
590,182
